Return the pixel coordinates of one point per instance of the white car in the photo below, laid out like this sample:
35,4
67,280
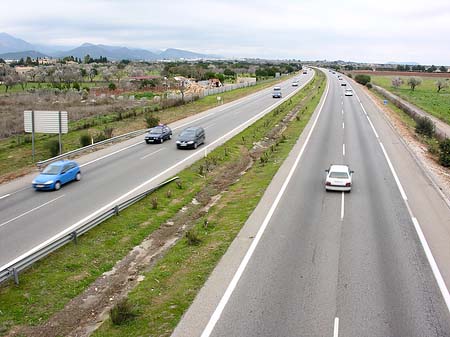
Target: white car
348,92
338,178
295,84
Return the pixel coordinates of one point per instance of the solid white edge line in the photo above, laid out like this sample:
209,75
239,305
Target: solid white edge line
434,267
228,292
394,173
117,200
342,206
151,153
4,196
31,210
336,327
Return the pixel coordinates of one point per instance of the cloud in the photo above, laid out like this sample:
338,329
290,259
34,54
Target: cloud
304,29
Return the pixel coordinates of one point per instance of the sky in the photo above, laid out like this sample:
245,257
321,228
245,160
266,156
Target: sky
352,30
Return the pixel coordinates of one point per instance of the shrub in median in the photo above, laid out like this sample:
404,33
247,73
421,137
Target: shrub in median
122,312
362,79
425,126
444,155
151,121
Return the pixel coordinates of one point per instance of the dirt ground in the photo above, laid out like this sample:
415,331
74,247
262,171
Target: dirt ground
439,174
85,313
400,73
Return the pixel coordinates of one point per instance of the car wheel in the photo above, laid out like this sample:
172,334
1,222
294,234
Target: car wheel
78,176
195,145
57,186
170,136
161,140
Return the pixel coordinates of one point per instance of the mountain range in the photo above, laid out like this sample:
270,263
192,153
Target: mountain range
15,48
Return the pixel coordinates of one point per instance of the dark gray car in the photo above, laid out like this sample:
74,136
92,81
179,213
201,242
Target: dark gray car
191,137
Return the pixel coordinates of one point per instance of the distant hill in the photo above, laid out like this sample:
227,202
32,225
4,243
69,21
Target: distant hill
10,44
404,63
111,52
22,54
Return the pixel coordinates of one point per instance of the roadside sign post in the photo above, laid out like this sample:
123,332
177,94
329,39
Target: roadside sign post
32,133
60,130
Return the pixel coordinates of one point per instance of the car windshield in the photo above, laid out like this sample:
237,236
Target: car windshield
158,130
276,89
52,169
187,133
339,175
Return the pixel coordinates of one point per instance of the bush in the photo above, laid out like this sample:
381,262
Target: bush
192,237
85,139
369,85
425,126
444,155
99,137
122,312
53,147
151,121
108,132
362,79
76,86
112,86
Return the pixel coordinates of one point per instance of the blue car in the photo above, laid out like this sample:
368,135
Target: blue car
57,174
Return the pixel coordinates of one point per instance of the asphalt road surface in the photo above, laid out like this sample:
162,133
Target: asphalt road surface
29,218
327,263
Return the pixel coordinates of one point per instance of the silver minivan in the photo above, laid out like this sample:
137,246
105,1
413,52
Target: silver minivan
191,137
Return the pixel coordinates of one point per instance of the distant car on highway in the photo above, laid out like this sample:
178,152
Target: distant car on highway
295,84
348,92
343,84
191,137
305,72
276,92
57,174
338,178
158,134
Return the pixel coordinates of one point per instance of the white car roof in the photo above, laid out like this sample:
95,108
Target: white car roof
339,168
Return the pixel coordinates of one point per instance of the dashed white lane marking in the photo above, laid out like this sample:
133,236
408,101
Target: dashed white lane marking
4,196
343,125
31,210
434,267
111,154
342,206
342,111
151,154
343,149
336,327
229,291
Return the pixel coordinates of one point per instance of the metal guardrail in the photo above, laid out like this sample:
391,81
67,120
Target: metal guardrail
12,270
42,163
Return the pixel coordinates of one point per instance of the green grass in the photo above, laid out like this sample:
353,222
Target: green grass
425,96
16,153
32,85
170,287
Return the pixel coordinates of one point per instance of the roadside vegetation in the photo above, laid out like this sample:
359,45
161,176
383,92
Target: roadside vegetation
16,152
230,181
429,94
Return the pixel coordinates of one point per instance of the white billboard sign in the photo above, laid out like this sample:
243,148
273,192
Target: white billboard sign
46,121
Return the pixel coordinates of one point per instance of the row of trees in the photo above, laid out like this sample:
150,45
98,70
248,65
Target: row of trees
413,82
421,68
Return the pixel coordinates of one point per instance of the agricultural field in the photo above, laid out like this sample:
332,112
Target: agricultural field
425,95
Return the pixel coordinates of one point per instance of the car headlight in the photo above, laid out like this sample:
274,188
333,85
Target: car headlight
178,142
190,142
48,182
34,182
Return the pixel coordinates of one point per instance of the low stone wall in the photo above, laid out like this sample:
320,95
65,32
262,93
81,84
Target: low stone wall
413,111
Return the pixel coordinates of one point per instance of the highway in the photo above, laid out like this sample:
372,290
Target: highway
29,218
315,263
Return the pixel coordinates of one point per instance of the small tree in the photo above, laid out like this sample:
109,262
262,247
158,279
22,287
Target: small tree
85,139
425,126
444,153
151,121
443,69
362,79
112,86
397,82
413,82
441,84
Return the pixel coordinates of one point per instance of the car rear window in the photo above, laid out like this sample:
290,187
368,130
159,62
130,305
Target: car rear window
340,175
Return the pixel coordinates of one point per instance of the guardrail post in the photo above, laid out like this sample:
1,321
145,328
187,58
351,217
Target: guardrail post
116,210
74,237
15,274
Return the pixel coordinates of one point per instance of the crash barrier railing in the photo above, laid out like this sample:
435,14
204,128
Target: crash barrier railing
12,269
43,163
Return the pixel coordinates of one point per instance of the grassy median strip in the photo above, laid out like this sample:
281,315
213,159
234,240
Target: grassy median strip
16,159
170,286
